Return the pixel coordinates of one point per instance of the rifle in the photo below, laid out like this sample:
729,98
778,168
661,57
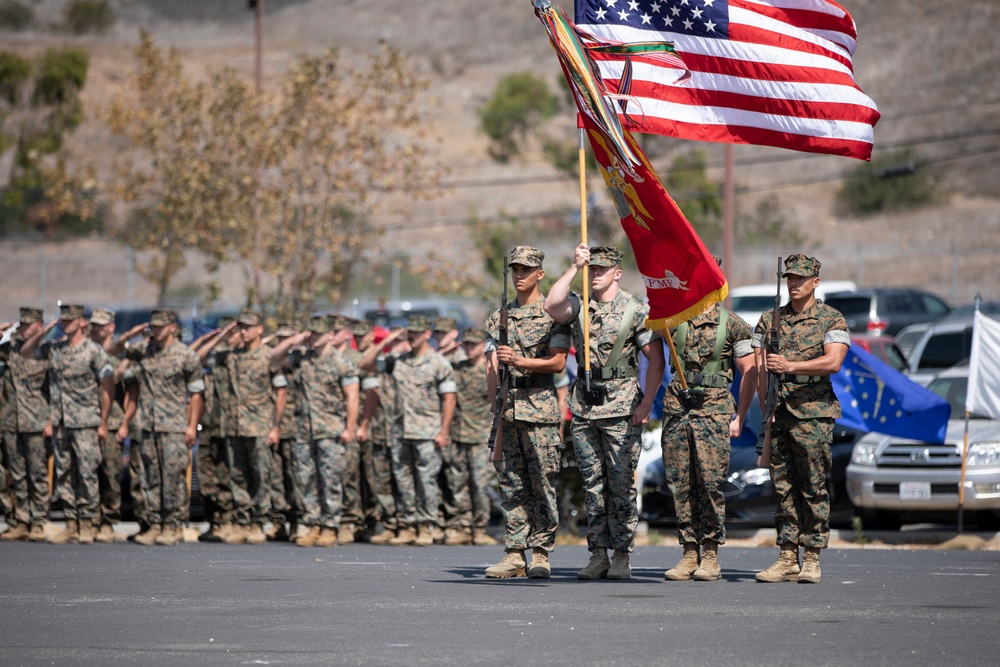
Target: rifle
500,405
773,383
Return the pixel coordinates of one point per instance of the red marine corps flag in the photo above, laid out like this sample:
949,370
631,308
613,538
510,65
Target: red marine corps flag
680,275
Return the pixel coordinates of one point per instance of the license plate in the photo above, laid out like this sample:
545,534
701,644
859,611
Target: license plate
914,490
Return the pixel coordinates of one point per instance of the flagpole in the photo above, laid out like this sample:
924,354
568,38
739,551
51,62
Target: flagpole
965,449
728,208
585,306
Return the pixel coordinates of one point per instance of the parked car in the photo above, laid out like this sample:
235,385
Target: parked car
883,347
969,310
396,314
942,346
747,489
895,480
887,310
908,337
749,301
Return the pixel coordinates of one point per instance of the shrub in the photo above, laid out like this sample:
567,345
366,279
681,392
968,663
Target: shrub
891,182
14,71
15,15
61,74
83,16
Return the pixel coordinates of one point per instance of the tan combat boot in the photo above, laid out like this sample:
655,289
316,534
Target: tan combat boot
483,539
327,537
709,569
620,568
17,533
170,536
256,534
457,538
149,537
223,531
308,538
69,535
540,568
786,568
405,537
106,535
37,533
384,537
437,534
237,534
598,566
512,565
86,531
425,537
345,534
688,565
810,566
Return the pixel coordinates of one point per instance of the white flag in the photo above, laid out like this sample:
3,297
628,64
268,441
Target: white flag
983,396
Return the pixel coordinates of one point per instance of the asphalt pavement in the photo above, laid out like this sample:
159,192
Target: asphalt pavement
204,604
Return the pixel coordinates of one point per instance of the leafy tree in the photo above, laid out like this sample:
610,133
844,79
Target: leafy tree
509,117
764,224
892,181
83,16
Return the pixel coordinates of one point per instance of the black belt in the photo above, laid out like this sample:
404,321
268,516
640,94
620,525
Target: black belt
804,379
532,381
702,380
613,373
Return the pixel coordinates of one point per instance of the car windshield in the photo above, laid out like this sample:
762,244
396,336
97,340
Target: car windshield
753,303
850,305
944,350
909,338
953,390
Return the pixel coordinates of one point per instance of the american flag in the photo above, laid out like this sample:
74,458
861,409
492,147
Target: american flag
767,72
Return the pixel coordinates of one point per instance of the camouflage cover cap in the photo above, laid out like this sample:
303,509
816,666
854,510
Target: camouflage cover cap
319,324
800,265
102,316
718,260
161,318
525,256
474,335
70,311
30,315
418,324
339,322
285,329
602,255
249,318
445,324
226,321
361,327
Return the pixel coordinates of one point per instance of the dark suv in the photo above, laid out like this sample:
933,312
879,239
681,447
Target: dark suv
887,310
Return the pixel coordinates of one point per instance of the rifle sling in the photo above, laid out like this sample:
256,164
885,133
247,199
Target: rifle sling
712,373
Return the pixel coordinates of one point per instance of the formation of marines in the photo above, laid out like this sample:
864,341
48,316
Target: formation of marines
324,437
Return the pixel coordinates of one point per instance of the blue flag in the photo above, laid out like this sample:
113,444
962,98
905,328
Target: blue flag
876,397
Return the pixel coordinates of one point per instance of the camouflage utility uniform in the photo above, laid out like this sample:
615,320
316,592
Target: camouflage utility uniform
167,379
22,420
470,474
802,432
213,448
384,434
75,376
531,429
605,441
321,407
696,441
354,506
253,382
422,380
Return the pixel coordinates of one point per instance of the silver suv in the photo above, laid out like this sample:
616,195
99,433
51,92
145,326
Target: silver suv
893,479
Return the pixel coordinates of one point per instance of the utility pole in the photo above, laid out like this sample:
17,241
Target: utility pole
257,6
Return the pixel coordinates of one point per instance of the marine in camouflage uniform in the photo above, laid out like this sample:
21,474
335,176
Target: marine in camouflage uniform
214,457
286,496
24,421
382,428
470,474
81,384
170,404
364,336
536,351
449,529
813,341
327,405
607,423
696,438
259,391
426,392
353,513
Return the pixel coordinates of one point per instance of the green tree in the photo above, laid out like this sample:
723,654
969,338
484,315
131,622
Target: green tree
510,117
765,224
892,181
83,16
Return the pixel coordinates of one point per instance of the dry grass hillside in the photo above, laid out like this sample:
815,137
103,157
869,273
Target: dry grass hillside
931,65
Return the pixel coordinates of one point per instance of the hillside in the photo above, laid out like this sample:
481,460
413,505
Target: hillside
930,65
